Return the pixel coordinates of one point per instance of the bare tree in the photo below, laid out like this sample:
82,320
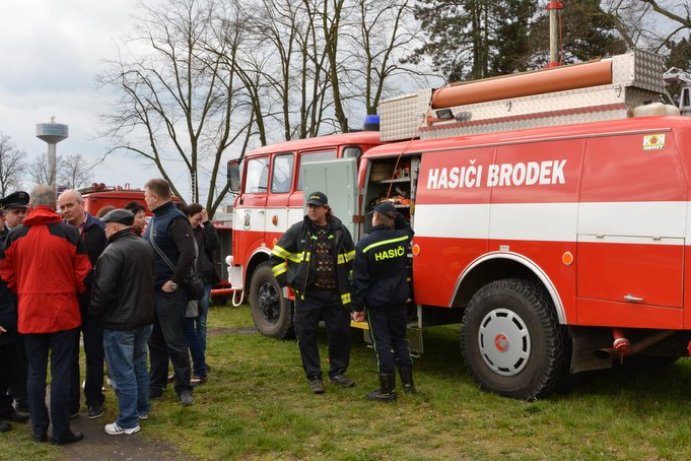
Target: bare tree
12,165
179,101
73,173
655,25
375,58
38,169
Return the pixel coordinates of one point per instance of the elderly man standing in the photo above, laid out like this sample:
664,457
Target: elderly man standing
170,234
122,296
45,248
71,205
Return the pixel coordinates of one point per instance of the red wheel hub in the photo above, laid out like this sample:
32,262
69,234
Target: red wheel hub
501,342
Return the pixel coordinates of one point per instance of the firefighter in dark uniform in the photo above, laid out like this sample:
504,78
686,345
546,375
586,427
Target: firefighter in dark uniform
314,257
381,287
13,365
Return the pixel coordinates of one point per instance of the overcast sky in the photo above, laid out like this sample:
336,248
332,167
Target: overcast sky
51,52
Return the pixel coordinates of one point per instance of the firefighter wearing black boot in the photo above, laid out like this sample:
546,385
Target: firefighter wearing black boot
314,257
380,285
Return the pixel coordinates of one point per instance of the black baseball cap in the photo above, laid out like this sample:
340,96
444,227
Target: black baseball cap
317,199
387,209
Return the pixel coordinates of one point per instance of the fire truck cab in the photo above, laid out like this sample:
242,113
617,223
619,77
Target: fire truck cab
549,219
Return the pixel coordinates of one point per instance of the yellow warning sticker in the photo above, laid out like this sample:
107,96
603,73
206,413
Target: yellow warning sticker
654,142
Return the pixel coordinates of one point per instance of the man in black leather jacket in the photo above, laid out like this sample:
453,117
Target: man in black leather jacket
122,298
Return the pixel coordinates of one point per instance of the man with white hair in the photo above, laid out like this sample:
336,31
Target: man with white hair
71,205
45,248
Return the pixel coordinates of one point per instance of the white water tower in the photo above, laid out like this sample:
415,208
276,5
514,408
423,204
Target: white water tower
52,133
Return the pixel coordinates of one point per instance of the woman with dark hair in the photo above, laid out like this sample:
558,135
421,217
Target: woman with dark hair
208,245
139,217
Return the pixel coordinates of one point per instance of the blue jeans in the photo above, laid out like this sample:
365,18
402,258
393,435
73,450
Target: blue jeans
194,343
126,353
201,320
61,346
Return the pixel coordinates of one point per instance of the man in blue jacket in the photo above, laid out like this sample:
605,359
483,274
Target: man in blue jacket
381,286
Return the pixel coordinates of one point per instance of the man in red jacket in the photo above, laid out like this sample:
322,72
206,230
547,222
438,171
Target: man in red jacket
45,264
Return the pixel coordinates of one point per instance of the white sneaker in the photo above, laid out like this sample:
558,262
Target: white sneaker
114,429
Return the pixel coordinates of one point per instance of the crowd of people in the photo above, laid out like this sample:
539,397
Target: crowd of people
121,287
112,282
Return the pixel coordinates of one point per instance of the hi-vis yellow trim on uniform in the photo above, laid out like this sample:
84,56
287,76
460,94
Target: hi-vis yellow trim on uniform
347,257
280,252
345,298
293,257
280,269
384,242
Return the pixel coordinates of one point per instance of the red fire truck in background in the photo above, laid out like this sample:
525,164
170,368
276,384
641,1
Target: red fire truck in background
551,209
99,195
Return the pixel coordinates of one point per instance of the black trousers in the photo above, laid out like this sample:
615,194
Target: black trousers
325,305
61,346
168,340
92,334
16,355
388,327
7,357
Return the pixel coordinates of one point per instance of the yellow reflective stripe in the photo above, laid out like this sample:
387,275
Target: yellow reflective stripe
295,257
280,269
384,242
280,252
344,258
345,298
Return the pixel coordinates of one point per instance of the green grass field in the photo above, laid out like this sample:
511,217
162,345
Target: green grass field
257,406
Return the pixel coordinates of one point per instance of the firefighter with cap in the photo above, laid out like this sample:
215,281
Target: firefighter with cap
314,257
381,288
14,208
13,362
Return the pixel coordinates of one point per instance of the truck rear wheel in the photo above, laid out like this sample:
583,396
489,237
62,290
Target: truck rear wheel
271,312
512,342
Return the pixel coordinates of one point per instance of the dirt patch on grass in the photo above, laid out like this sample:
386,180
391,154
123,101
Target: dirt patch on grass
97,445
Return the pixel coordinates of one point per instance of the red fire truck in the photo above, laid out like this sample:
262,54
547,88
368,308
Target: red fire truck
550,219
98,196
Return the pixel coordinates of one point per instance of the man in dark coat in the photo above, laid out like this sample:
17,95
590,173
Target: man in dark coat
122,298
381,285
13,361
170,235
314,258
71,205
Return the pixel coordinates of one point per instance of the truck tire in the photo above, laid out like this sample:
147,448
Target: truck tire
271,312
512,342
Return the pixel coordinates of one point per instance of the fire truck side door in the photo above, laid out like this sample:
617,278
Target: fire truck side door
631,232
250,210
338,180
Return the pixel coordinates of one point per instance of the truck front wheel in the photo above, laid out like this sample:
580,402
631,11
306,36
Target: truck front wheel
271,312
512,342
